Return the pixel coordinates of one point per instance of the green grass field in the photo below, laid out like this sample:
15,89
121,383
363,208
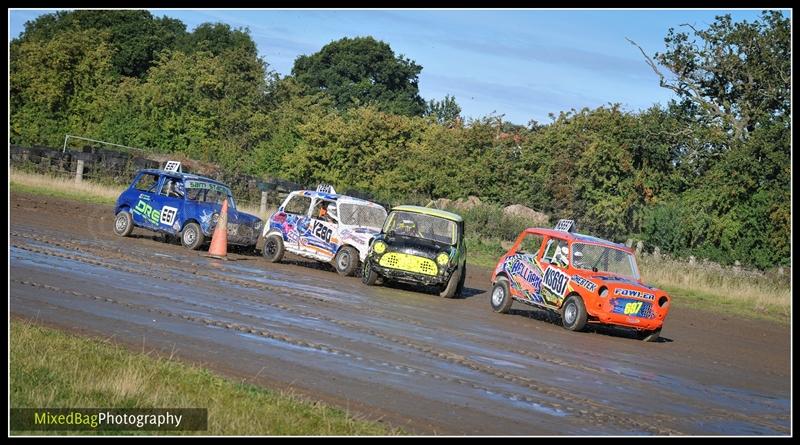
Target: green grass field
53,369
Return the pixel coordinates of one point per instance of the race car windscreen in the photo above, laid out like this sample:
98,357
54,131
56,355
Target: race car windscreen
604,259
208,192
422,226
362,216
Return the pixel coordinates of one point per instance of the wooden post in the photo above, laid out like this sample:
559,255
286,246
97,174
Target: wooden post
263,209
79,172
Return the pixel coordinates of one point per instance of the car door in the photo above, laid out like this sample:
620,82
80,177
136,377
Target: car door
526,275
296,222
316,240
170,202
554,267
144,212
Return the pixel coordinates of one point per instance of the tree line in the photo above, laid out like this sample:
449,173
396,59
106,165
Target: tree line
707,174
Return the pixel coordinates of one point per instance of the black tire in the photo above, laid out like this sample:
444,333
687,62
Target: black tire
460,290
273,248
346,261
123,223
192,237
500,299
369,276
573,313
449,290
650,336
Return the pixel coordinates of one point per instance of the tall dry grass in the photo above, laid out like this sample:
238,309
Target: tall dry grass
762,293
65,186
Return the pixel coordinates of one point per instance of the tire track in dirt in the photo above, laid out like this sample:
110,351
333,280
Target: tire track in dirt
599,413
424,349
590,415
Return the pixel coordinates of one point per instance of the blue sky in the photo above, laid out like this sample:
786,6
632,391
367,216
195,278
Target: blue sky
522,64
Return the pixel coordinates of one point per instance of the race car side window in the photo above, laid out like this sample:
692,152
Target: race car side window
320,205
530,244
147,182
298,205
549,251
172,188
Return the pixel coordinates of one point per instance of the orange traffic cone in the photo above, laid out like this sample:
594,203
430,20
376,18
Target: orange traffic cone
219,239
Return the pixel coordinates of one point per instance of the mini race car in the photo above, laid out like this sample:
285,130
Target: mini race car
582,278
184,205
422,246
323,226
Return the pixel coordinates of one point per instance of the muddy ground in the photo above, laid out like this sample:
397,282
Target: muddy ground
406,358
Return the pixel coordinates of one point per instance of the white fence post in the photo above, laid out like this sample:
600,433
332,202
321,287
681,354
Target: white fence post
79,172
263,208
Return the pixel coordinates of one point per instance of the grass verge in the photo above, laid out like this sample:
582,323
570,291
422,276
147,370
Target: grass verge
22,182
52,369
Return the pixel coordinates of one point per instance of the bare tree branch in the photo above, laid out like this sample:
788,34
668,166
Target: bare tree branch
692,90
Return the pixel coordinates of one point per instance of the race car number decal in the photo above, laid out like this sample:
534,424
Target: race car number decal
320,231
168,215
555,280
632,308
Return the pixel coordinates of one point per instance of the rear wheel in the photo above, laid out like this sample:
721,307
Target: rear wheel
346,261
123,223
192,237
573,313
501,297
368,276
273,248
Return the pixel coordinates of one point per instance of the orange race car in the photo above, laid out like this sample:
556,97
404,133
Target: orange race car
582,278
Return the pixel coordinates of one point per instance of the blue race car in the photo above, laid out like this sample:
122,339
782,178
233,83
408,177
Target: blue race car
183,205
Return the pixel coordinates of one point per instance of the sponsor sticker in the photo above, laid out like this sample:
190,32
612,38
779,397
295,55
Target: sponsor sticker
633,293
584,282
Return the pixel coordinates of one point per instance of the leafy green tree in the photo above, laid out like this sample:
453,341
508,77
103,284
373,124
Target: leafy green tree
218,38
134,36
363,71
57,86
445,111
735,74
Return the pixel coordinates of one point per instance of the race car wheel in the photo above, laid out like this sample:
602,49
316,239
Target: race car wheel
273,248
650,336
573,313
346,261
192,237
449,291
460,290
369,276
501,297
123,223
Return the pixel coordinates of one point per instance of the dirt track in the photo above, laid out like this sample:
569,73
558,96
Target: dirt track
414,360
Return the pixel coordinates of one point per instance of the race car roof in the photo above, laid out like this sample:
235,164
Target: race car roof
430,211
336,197
576,237
183,176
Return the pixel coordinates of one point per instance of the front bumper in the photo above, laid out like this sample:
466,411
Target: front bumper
648,318
442,276
240,234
